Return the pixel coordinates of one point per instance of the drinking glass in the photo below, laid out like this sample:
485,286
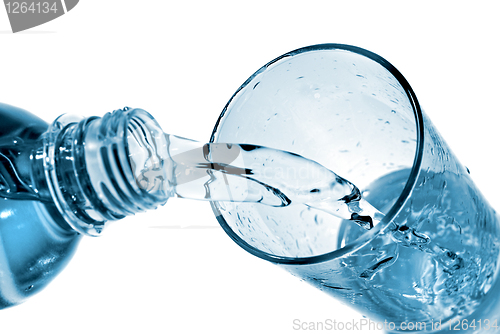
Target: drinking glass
432,261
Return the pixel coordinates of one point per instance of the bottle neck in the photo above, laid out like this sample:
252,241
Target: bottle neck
88,170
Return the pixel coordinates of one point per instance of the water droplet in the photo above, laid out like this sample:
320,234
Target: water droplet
408,237
383,263
365,222
318,220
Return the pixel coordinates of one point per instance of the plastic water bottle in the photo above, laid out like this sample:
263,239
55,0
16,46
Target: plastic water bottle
57,183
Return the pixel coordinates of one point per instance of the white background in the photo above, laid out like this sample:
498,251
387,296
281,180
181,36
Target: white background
182,61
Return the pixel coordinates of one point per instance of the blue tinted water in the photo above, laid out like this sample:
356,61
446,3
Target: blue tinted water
440,264
436,260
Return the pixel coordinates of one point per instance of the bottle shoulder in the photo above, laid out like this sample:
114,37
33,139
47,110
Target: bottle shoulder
19,135
17,122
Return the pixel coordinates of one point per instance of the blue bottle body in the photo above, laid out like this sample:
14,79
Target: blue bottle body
35,241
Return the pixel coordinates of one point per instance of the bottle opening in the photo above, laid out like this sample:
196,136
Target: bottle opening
101,169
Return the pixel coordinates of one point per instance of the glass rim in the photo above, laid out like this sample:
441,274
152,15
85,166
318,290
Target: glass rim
396,207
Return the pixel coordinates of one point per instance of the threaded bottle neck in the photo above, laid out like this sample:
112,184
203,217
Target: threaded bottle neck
89,172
